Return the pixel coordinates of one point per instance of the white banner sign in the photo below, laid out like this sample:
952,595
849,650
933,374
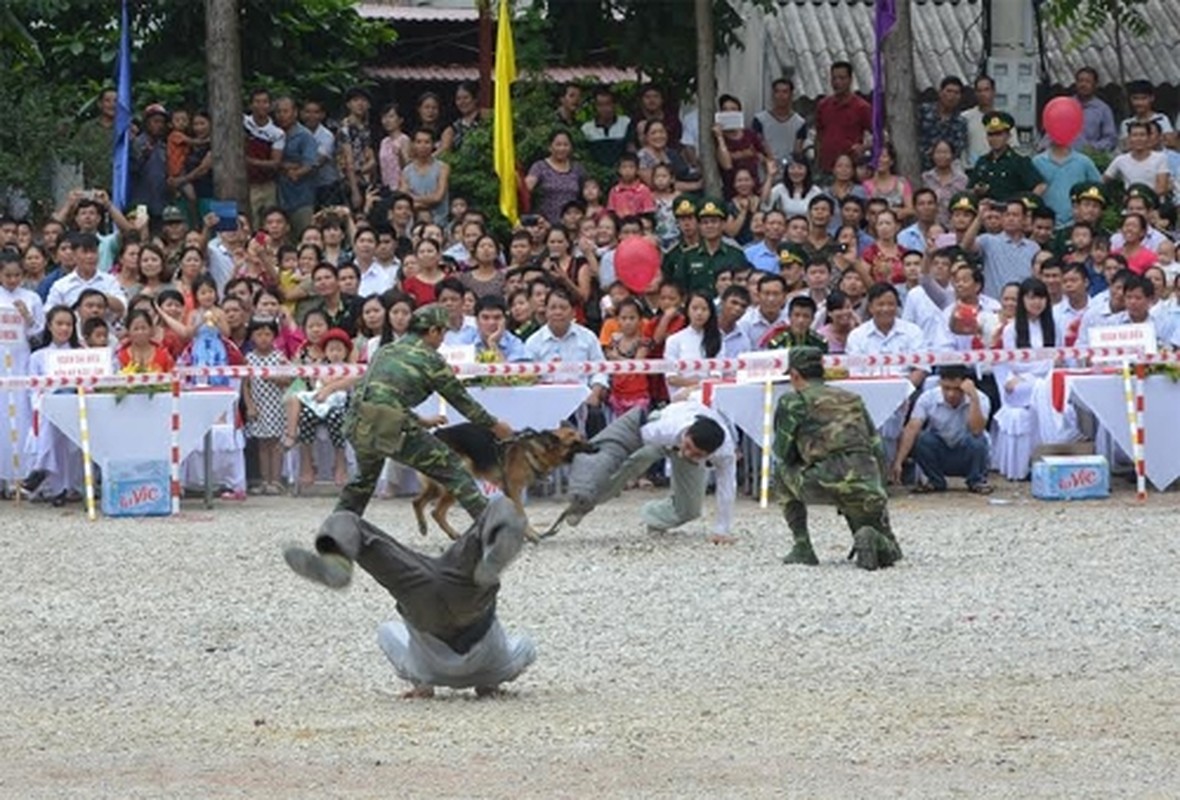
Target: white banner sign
1138,335
83,363
12,327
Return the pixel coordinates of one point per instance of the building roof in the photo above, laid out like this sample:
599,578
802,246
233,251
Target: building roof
453,73
409,13
807,35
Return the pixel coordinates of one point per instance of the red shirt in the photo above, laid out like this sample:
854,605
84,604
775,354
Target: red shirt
840,126
422,292
161,360
883,268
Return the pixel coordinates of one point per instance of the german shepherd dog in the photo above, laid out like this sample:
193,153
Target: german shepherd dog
512,465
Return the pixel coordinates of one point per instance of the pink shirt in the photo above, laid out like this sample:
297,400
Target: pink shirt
629,201
389,157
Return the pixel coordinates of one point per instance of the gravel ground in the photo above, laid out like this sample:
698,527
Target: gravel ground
1021,649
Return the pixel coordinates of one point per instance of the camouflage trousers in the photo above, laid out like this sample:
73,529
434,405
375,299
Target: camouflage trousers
418,450
850,481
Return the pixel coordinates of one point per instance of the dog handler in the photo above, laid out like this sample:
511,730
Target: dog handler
449,634
381,422
688,433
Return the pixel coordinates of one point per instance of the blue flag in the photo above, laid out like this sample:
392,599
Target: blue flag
121,158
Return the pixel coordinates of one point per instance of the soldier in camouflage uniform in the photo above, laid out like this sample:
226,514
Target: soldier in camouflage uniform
381,422
829,452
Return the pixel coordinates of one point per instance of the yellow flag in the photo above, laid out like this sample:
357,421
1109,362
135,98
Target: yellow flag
503,145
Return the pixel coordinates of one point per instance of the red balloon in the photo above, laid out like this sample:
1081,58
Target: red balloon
637,262
1062,120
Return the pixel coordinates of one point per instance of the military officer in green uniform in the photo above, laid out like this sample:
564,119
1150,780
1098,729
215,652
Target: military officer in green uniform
684,208
381,422
696,270
1003,173
1089,204
828,451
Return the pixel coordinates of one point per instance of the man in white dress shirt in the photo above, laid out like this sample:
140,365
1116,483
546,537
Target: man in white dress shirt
686,432
562,339
375,277
770,312
65,290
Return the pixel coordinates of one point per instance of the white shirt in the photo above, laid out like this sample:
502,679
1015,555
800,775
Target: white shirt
578,344
376,279
925,313
1068,322
988,310
1157,118
12,318
268,132
754,325
867,339
65,290
685,344
1131,170
666,431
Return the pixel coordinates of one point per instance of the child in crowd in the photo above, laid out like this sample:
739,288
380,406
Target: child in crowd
264,405
179,144
630,196
591,196
627,343
663,192
320,406
291,338
138,353
56,462
96,333
668,320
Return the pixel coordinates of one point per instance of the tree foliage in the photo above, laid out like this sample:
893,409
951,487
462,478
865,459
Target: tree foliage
657,37
1084,18
63,52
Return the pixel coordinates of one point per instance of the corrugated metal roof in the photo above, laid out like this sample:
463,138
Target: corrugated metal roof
403,13
453,73
806,36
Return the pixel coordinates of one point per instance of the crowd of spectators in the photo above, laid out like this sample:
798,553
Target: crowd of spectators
352,223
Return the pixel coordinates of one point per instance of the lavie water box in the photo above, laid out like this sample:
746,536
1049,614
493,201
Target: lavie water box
136,489
1071,478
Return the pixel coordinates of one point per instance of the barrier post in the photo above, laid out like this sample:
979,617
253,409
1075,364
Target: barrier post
174,451
13,428
767,439
1135,424
1140,432
87,469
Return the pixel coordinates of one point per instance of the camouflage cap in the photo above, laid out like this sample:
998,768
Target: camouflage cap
809,361
427,317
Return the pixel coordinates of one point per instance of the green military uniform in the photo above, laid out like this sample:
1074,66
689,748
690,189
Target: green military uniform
381,422
1003,174
1079,193
695,268
683,206
828,451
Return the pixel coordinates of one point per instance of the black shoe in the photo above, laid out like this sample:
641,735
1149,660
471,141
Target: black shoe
60,500
34,479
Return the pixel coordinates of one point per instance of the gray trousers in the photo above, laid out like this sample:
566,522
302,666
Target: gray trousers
623,457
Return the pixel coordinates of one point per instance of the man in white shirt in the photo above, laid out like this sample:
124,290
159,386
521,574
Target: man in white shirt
1140,164
689,435
65,290
562,339
977,146
460,327
1075,301
914,236
947,434
375,279
735,300
770,312
1141,96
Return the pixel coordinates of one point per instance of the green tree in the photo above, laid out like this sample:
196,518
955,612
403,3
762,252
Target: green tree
1084,18
63,52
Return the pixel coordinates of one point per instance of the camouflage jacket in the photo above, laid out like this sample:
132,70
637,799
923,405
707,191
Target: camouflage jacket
406,372
823,421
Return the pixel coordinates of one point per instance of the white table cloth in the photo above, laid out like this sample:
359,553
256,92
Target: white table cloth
138,426
540,407
1105,397
741,403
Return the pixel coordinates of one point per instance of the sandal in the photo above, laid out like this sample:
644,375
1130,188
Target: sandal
981,488
922,488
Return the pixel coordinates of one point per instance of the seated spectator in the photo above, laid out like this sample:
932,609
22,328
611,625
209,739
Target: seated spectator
735,300
490,335
840,319
626,342
700,339
796,332
947,434
459,327
770,311
486,279
562,339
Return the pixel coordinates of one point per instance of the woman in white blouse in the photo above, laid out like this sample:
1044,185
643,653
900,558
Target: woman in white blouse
701,339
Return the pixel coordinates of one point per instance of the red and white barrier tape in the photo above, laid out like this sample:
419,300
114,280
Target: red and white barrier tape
771,360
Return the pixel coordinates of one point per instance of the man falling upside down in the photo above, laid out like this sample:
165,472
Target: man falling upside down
449,634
